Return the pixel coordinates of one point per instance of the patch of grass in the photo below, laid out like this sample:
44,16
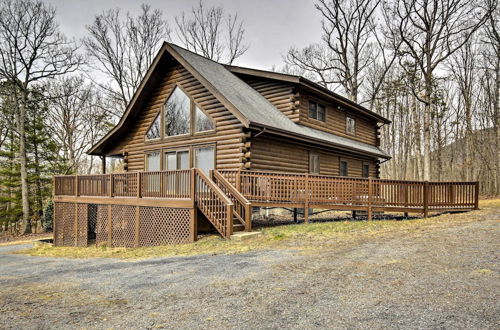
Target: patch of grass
305,237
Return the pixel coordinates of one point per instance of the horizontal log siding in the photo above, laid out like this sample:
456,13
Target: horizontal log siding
280,94
274,155
229,137
366,131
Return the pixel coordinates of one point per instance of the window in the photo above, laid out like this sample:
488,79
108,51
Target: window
177,160
201,121
153,161
350,125
366,170
177,113
343,170
154,129
204,158
313,163
317,111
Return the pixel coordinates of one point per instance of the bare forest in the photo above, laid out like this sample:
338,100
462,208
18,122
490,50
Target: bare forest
431,67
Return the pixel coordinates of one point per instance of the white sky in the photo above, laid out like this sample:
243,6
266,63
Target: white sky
271,27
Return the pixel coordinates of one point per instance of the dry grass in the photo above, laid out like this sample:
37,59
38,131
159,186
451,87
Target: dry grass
302,237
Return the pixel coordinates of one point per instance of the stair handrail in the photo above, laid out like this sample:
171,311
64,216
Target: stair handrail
245,218
226,230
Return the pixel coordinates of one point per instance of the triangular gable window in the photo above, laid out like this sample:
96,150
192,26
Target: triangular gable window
202,122
154,130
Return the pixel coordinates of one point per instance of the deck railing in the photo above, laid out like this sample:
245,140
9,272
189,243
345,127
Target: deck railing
282,187
160,184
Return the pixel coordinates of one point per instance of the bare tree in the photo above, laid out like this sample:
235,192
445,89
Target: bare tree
123,48
76,114
212,33
350,46
431,31
31,50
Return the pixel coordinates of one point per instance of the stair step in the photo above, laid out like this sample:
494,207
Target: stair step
245,235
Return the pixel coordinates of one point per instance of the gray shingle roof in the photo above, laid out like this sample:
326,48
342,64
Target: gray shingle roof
257,109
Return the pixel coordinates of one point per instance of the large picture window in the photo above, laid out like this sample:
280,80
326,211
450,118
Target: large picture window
177,113
180,116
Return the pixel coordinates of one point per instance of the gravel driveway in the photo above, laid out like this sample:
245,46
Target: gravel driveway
440,278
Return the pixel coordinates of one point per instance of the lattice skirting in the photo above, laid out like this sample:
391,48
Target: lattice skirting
121,225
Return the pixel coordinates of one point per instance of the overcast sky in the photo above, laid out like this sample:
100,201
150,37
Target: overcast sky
271,26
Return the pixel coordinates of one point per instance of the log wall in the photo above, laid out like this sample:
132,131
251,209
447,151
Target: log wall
335,121
275,155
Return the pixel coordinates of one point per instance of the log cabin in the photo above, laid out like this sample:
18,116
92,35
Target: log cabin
203,142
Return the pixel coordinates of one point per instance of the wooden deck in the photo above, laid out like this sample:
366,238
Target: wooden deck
123,208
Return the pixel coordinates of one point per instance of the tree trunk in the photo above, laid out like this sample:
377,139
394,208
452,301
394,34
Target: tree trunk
427,127
21,123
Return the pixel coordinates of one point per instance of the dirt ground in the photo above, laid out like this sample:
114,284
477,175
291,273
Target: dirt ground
444,276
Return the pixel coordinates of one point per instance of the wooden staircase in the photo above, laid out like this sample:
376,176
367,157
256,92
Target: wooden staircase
221,203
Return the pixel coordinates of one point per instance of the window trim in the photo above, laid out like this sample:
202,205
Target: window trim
342,160
347,117
310,101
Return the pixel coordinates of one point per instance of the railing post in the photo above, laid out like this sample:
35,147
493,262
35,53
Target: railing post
306,202
426,198
110,185
370,193
139,185
248,217
476,196
193,186
238,180
77,186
